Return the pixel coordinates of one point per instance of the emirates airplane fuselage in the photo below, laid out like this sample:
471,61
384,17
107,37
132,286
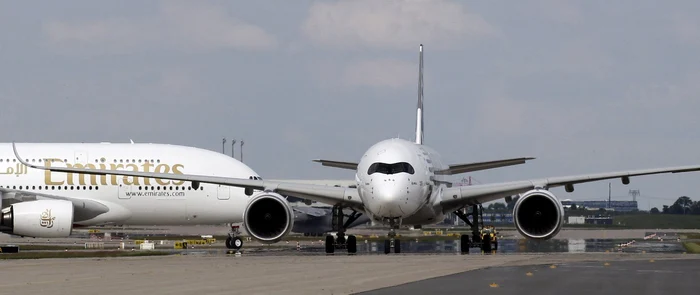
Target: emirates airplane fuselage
50,204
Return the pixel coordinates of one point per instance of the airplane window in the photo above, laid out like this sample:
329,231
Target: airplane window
384,168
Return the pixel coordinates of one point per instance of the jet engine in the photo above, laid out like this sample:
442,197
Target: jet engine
268,217
538,214
39,219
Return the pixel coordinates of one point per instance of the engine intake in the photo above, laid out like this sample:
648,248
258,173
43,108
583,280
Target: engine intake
39,219
268,217
538,214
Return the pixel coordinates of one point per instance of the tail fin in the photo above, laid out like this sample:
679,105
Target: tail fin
419,111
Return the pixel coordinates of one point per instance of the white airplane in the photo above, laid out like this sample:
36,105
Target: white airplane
399,183
39,203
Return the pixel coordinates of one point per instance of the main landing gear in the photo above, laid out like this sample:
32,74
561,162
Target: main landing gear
485,239
234,241
340,242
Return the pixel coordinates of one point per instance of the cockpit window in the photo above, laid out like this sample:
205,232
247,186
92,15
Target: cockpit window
384,168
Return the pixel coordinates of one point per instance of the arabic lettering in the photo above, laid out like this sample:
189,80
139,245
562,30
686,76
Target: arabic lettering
47,219
21,169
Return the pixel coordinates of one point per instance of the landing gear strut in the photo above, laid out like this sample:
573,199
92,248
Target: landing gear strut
234,241
392,241
486,242
340,242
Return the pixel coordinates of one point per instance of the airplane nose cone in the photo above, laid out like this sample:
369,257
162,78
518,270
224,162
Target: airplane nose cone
390,200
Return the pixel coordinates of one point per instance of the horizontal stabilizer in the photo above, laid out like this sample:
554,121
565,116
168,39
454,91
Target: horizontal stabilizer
338,164
462,168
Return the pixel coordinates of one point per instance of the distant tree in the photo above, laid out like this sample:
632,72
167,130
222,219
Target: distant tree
654,210
682,205
573,207
499,206
511,204
665,210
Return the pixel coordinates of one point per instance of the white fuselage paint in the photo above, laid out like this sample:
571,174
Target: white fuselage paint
413,198
133,202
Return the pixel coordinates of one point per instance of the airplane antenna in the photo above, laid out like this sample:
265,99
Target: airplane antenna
241,150
419,111
132,142
223,146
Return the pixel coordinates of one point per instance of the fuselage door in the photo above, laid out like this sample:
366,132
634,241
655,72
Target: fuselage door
224,192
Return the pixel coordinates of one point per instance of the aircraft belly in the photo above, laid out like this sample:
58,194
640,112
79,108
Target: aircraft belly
424,215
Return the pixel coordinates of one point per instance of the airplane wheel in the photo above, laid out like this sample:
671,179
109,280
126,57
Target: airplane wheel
330,246
464,244
397,246
352,244
486,243
228,243
236,243
387,246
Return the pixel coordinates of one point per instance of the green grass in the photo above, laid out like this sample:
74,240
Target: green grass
49,247
80,254
692,247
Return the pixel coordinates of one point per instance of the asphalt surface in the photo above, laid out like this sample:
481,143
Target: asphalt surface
343,274
601,277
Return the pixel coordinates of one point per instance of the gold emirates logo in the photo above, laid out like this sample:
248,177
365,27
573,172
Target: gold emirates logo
60,178
47,219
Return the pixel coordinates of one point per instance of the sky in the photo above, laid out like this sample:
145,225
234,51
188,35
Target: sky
583,86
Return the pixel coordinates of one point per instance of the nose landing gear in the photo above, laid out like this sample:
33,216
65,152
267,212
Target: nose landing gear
340,242
392,242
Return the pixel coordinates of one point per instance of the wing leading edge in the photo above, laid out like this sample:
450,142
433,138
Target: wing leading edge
456,197
463,168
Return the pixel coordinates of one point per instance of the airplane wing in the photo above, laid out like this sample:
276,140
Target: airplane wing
457,197
84,209
311,211
326,182
462,168
338,164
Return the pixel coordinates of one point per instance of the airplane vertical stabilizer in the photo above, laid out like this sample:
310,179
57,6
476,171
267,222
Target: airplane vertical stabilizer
419,111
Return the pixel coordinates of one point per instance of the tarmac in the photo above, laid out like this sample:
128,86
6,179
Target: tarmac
344,274
639,277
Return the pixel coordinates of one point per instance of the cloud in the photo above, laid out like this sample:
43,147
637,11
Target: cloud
381,73
395,24
686,29
184,26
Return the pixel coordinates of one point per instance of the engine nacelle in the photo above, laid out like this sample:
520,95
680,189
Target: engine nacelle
538,214
268,217
39,219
